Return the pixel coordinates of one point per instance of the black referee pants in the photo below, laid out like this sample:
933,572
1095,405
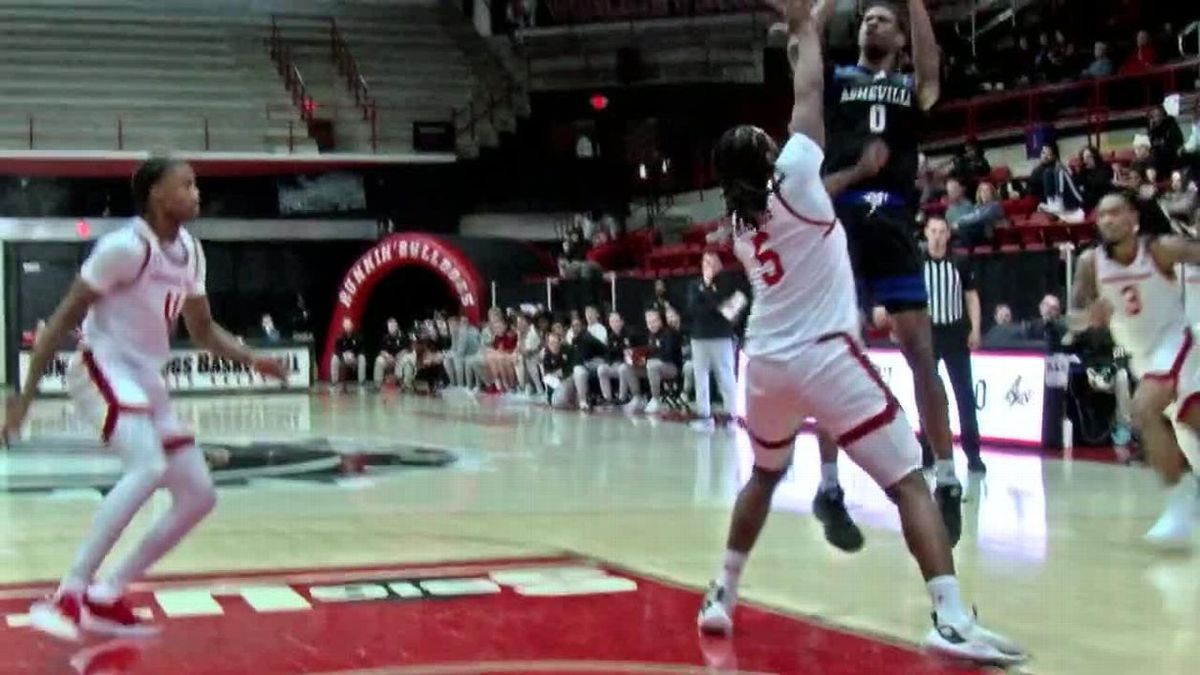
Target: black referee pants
950,345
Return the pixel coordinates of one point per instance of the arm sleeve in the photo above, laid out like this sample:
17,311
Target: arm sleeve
967,274
116,259
199,288
799,164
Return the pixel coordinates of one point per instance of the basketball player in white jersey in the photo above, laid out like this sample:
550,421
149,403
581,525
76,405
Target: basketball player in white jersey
805,358
1130,285
129,295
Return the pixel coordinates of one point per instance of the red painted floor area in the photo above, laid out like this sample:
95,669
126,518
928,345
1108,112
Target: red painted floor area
547,616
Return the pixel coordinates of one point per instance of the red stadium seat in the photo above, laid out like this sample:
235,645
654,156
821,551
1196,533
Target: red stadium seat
1000,174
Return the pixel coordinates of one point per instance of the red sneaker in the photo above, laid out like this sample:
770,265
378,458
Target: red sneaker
116,619
58,615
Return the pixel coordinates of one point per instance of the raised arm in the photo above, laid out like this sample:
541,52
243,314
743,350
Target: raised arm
808,69
926,61
1173,250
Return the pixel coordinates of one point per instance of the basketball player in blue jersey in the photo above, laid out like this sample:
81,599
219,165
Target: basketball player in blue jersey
863,102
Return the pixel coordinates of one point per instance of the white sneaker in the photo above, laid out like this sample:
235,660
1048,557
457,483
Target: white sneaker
653,406
974,643
584,406
716,614
704,425
634,406
1173,531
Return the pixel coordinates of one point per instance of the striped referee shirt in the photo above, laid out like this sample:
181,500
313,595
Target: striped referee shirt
948,279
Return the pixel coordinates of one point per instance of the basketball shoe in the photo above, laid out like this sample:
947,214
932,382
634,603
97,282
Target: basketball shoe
115,619
716,613
59,615
829,506
975,643
1173,531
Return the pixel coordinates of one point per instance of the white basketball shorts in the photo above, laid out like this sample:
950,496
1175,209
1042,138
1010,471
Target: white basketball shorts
105,389
831,381
1177,362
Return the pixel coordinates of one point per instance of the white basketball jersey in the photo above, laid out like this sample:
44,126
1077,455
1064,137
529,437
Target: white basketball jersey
1189,276
142,285
1147,306
797,261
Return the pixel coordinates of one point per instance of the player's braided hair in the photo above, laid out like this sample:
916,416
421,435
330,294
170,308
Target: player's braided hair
147,176
744,159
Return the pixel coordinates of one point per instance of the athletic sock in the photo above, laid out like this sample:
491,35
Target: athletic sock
70,585
104,592
947,601
731,570
943,471
829,477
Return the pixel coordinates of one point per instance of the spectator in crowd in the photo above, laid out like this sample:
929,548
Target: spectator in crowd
499,359
522,14
957,204
390,348
301,322
971,166
675,322
556,372
978,225
477,363
269,332
619,346
464,345
1094,179
1180,201
1025,60
1144,56
1102,65
591,315
573,262
662,301
1004,332
1143,161
1056,190
347,355
664,358
1166,140
587,355
929,181
713,305
1049,327
529,349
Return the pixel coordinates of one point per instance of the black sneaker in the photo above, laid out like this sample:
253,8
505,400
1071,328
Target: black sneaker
949,500
829,506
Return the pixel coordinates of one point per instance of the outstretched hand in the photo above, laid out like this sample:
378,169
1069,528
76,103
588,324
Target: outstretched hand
269,367
874,157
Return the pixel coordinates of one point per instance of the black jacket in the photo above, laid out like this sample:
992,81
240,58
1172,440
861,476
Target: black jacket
617,344
704,303
666,345
394,344
586,347
556,364
349,343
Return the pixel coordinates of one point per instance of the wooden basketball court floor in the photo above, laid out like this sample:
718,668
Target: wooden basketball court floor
1051,551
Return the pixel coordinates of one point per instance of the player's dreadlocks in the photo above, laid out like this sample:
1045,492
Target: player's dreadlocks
744,159
147,176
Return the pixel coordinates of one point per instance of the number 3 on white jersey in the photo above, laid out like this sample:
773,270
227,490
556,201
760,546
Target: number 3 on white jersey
878,118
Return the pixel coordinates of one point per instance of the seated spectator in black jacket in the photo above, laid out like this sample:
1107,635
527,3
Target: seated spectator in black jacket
1055,188
347,354
391,347
1166,141
685,338
1094,178
619,343
664,359
587,355
556,371
971,166
1049,328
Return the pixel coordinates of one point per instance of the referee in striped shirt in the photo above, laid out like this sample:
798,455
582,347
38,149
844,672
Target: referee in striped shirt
955,314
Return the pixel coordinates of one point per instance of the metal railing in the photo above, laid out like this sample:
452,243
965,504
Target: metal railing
130,130
348,68
1091,103
285,65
